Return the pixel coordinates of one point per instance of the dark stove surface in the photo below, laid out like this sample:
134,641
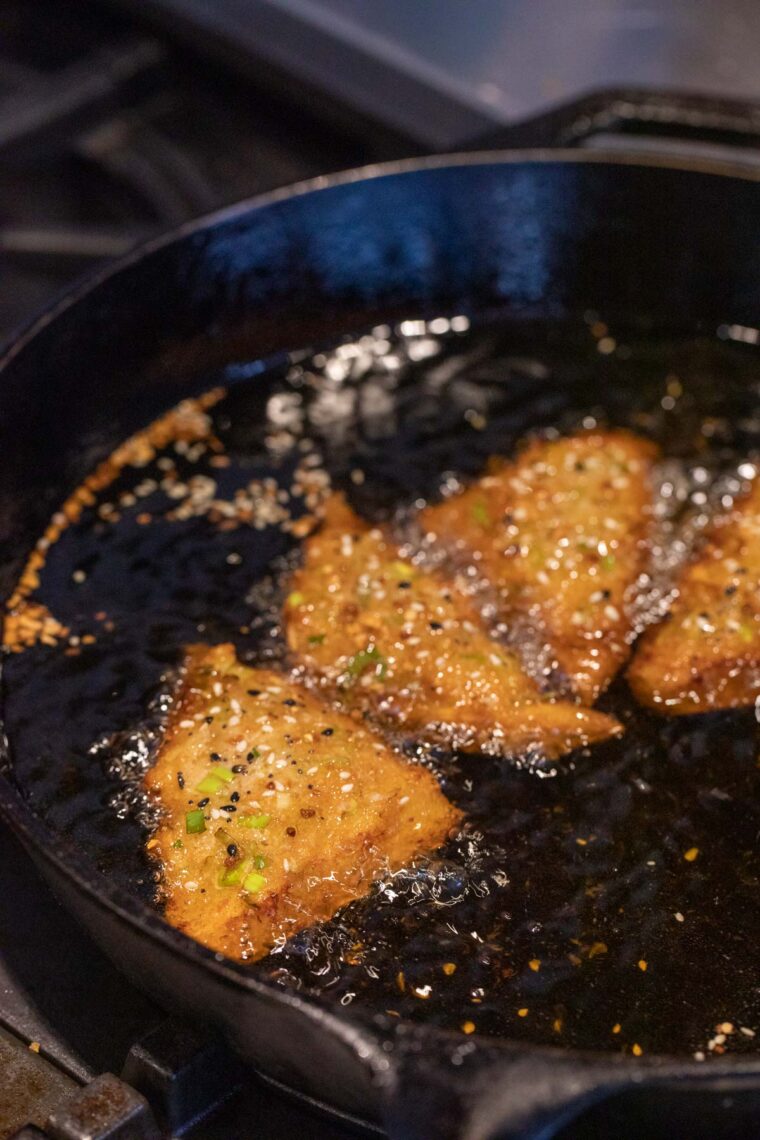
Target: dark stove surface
109,134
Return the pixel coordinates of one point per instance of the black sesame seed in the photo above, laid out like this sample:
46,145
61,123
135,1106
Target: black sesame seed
290,702
235,797
202,803
228,807
180,779
436,625
209,720
215,756
238,769
404,585
254,692
328,731
290,831
232,850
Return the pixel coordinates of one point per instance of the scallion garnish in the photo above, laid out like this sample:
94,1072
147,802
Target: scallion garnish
253,882
210,784
480,513
403,570
364,659
231,876
223,773
255,821
195,822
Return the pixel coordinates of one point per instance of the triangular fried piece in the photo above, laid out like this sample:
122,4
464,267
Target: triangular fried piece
277,810
407,646
706,654
560,536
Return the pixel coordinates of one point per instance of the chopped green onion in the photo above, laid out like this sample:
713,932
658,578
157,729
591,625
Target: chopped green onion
401,569
195,822
210,784
361,661
317,638
254,882
480,513
231,876
259,862
296,598
746,632
223,773
609,561
178,844
256,821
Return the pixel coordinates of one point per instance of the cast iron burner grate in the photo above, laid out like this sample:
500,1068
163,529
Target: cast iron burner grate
108,136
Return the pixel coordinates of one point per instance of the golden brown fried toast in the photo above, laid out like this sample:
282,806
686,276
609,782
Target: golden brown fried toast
706,654
408,646
275,809
560,536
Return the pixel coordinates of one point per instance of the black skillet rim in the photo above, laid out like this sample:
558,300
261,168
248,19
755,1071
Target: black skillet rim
75,867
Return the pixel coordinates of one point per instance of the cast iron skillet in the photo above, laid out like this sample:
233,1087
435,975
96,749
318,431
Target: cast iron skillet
521,233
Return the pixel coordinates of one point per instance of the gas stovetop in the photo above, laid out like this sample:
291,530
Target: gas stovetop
108,135
111,132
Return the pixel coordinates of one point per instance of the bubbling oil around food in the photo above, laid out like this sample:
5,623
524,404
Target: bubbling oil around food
608,901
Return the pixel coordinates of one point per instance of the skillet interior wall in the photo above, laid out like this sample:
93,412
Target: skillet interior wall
541,238
654,244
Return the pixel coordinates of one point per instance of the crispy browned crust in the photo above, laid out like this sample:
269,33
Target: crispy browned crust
342,806
560,536
408,647
706,654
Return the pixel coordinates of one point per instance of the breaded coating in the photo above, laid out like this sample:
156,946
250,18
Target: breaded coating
560,535
275,809
706,653
407,646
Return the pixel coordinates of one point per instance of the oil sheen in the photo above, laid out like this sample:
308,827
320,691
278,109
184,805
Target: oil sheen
608,901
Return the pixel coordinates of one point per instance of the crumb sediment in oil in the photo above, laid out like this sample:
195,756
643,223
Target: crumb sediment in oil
607,901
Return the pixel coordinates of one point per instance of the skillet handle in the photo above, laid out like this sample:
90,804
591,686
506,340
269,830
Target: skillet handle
634,110
471,1096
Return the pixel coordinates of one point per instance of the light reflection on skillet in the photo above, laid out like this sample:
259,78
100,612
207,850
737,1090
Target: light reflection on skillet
568,912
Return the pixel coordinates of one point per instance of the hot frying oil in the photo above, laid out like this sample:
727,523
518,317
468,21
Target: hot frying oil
607,901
